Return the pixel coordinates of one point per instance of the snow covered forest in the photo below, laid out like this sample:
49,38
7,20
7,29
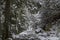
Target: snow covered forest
29,19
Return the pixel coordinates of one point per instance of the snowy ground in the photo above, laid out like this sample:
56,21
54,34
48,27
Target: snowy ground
31,35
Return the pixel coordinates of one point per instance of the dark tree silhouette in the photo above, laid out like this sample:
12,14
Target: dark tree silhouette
48,20
7,19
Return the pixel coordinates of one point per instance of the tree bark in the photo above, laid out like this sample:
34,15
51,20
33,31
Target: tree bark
6,12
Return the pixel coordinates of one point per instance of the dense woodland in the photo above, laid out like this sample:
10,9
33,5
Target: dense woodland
36,16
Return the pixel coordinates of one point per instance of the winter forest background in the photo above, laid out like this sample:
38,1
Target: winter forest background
29,19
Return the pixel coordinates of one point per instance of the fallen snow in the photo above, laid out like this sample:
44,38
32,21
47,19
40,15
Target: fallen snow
31,35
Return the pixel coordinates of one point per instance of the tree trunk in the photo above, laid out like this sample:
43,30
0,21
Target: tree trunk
6,12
